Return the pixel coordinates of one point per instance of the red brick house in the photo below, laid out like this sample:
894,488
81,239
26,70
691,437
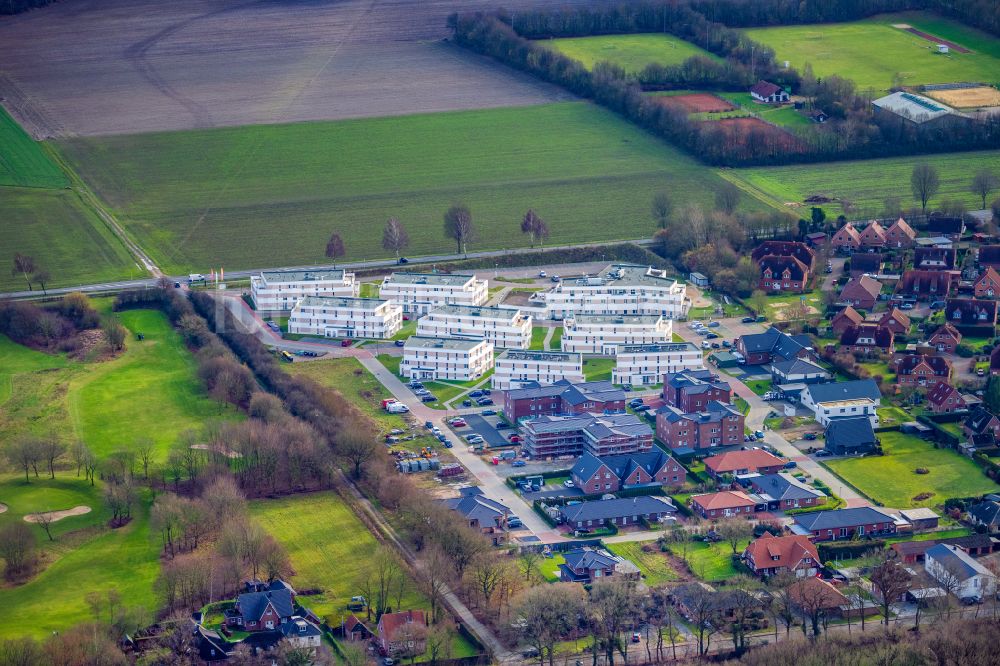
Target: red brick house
946,339
692,390
900,235
867,338
971,312
263,610
610,474
981,422
945,398
896,321
782,274
847,238
845,319
861,292
926,285
934,258
742,462
919,370
800,251
402,634
843,524
724,504
770,555
719,424
988,284
872,236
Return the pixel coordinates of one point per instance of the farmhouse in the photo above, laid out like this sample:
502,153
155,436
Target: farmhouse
798,371
860,397
768,93
845,319
896,321
458,359
481,513
861,292
720,424
844,524
517,368
850,435
279,291
691,391
988,284
585,565
420,293
618,512
944,397
262,609
504,328
910,108
958,572
619,289
873,236
900,235
946,339
770,555
604,334
725,504
925,284
920,370
868,339
562,397
609,474
782,491
402,634
646,364
338,317
773,345
599,434
934,258
847,239
754,461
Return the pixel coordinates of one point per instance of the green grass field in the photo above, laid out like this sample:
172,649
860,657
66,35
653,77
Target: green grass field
713,561
631,52
598,369
874,54
23,161
151,390
891,479
654,565
260,195
867,183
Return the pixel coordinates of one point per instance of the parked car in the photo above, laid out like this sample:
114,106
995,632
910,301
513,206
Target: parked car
716,345
503,425
555,278
811,436
177,285
759,434
791,464
569,483
643,408
430,397
906,306
416,385
937,305
488,412
727,344
748,320
487,392
399,343
404,260
466,403
518,463
484,401
823,453
475,394
515,439
542,274
346,343
428,424
713,324
712,336
626,387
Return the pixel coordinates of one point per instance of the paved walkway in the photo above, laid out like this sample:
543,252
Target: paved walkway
547,342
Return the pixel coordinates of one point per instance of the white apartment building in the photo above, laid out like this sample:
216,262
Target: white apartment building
604,334
619,289
505,328
420,293
515,368
641,365
460,359
279,291
346,317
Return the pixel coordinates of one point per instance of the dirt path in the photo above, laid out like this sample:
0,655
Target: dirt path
56,516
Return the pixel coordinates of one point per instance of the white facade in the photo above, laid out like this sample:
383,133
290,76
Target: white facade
824,411
514,369
445,358
346,318
642,365
604,334
420,293
620,289
959,572
505,328
279,291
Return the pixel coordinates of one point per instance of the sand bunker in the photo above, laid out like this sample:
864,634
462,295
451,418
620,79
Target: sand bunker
57,515
3,507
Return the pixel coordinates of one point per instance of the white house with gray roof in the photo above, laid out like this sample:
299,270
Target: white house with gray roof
279,291
518,368
419,293
619,289
604,334
641,365
958,572
504,327
346,317
458,359
860,397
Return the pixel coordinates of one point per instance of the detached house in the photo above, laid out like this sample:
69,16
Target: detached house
585,565
946,339
981,422
844,524
928,285
988,284
798,371
610,474
847,239
900,235
845,319
482,514
867,338
725,504
945,398
766,92
754,461
987,514
402,634
783,491
262,609
782,274
850,435
773,345
618,512
896,321
770,555
861,292
956,569
873,235
920,370
800,251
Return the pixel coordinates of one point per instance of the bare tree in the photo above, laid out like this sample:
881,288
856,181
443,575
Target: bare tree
24,265
78,452
703,605
727,197
528,560
983,183
144,448
394,237
44,519
24,453
41,277
924,183
758,302
734,531
458,226
811,601
741,599
535,227
432,578
335,247
486,573
662,208
17,545
114,334
357,447
781,608
890,581
439,640
548,614
613,607
51,450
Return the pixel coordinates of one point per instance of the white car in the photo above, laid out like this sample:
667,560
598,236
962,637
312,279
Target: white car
569,483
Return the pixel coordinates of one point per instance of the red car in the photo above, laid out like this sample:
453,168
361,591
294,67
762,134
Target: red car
514,439
346,343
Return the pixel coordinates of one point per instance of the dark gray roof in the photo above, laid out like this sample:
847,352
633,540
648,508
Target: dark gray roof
299,627
535,391
475,505
694,381
603,391
850,431
714,411
784,487
592,425
777,342
607,509
987,512
852,390
621,465
979,419
830,520
797,366
253,604
590,558
957,561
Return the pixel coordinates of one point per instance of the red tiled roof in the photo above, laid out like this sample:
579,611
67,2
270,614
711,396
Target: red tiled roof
816,591
897,315
724,499
863,285
734,460
938,364
883,337
790,551
390,623
765,88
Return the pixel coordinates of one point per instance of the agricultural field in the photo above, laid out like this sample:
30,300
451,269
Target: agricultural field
257,196
631,52
23,162
866,183
85,557
876,53
892,479
151,390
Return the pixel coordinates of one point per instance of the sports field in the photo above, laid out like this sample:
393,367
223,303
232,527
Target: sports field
270,195
892,480
873,53
631,52
868,182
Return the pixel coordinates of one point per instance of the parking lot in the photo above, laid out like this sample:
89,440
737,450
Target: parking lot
485,427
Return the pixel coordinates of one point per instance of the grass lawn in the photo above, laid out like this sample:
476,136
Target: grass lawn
867,183
186,195
653,565
556,341
759,386
777,305
596,369
151,390
873,53
878,368
892,415
549,567
713,561
406,330
538,334
785,115
631,52
91,558
954,428
891,479
390,362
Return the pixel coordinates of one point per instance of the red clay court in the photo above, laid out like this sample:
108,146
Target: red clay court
697,103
